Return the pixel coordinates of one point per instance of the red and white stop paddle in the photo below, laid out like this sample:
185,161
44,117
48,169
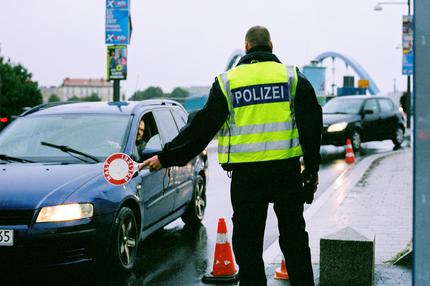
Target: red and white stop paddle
119,168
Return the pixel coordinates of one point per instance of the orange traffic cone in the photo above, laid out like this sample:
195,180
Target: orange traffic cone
281,272
349,155
224,269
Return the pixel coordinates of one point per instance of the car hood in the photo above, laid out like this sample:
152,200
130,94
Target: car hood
329,118
29,186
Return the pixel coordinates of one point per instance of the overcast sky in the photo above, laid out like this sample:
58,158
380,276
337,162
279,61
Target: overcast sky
186,43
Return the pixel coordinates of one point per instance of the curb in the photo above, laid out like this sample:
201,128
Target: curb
346,181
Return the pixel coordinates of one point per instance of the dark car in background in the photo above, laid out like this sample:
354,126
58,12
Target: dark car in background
362,119
56,207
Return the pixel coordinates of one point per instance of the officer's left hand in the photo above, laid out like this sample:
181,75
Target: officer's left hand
153,163
310,185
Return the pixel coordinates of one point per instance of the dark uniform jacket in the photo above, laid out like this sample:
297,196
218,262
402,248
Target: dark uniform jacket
203,125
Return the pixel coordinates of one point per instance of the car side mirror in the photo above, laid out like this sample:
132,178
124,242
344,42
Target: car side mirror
368,111
148,153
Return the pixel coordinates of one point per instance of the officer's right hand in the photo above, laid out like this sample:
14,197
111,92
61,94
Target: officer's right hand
310,185
153,163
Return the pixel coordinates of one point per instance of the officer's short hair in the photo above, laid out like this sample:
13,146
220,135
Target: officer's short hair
258,36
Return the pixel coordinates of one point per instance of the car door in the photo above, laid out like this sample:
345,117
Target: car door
371,120
388,118
156,202
168,131
184,174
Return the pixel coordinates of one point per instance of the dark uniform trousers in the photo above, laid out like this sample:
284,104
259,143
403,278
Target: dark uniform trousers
253,187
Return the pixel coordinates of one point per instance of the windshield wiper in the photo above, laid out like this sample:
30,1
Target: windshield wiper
71,151
15,159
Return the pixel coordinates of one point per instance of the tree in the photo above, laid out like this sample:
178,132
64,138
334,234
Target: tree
53,98
74,98
179,92
17,89
150,92
92,97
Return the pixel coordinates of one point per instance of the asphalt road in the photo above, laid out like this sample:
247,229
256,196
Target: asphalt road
178,255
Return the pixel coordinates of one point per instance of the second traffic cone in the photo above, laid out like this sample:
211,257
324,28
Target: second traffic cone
224,269
281,272
349,155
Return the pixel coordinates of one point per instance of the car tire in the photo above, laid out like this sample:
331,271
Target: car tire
356,140
196,208
124,240
398,136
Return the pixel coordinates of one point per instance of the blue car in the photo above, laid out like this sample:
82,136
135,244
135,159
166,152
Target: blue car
57,208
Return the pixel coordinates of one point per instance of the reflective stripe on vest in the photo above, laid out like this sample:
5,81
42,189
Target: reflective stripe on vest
261,125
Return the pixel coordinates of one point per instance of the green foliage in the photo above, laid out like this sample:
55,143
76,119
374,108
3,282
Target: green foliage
17,90
179,92
156,92
150,92
53,98
92,97
74,98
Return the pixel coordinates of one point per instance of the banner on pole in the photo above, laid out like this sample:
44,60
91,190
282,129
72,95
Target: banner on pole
116,62
407,46
117,28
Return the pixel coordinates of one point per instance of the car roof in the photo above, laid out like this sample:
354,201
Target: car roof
346,97
100,107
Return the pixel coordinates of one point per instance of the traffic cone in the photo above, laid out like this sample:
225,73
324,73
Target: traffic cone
224,269
281,272
349,155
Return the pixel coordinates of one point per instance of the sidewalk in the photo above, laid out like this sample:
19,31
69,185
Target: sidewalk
374,196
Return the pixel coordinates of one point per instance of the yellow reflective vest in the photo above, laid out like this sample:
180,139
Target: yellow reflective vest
261,125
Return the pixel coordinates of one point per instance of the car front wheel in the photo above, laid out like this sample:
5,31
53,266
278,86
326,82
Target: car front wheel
196,208
398,136
124,241
356,140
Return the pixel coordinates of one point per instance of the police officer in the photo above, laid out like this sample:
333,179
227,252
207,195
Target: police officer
268,117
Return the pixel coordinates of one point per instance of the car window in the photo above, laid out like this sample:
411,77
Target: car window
386,105
371,105
343,106
150,138
180,120
96,135
166,124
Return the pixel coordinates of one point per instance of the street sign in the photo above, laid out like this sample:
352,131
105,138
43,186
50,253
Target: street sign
363,83
117,29
116,62
119,168
407,46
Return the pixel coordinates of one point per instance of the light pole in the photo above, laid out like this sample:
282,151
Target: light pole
378,7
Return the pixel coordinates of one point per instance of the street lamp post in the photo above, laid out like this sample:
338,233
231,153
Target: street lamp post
378,7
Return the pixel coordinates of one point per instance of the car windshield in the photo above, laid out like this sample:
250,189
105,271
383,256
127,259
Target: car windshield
343,106
94,135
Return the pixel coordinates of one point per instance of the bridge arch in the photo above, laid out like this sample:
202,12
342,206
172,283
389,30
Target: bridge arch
373,88
235,56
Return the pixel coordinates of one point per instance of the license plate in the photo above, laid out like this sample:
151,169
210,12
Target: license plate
6,237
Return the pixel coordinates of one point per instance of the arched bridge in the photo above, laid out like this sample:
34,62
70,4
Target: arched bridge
361,72
373,89
234,58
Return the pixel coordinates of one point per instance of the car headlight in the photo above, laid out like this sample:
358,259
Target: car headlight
65,212
337,127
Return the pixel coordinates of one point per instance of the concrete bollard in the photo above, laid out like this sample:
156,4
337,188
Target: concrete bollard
347,257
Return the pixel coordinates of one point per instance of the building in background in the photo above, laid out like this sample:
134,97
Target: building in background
47,92
81,88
